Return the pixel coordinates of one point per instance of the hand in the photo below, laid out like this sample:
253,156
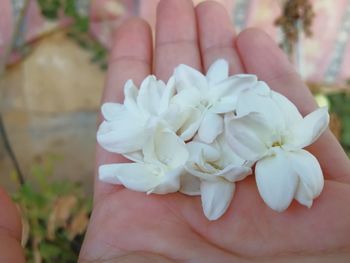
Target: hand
127,226
10,231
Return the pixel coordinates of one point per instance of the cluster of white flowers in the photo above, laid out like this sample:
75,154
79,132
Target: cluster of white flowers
200,134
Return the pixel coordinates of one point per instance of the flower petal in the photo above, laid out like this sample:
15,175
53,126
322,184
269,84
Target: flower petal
212,125
229,89
170,182
107,173
167,148
130,96
309,129
187,77
134,176
252,100
304,195
111,110
167,95
218,71
308,169
224,105
234,173
134,156
198,149
190,185
175,117
289,110
122,135
248,136
189,97
228,157
191,125
276,181
149,98
216,198
202,170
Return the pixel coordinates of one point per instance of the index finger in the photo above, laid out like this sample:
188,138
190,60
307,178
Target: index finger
131,58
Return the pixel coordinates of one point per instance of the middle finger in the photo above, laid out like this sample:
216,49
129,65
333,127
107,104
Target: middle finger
216,36
176,37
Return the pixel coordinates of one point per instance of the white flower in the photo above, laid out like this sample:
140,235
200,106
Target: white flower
228,122
217,168
207,97
128,126
269,129
165,155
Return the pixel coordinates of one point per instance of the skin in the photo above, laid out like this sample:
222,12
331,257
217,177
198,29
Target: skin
10,231
127,226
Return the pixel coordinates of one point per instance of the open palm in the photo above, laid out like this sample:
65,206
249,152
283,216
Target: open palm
127,226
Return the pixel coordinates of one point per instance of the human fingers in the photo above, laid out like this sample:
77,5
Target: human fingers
216,36
10,231
131,58
176,37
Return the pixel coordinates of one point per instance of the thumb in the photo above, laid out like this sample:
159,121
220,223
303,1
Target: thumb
10,231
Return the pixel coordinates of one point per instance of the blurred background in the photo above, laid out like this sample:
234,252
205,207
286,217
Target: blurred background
53,60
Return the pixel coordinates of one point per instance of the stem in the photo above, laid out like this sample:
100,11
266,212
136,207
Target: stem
10,152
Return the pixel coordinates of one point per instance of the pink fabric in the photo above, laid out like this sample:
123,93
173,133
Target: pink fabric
6,25
262,14
318,50
345,74
34,25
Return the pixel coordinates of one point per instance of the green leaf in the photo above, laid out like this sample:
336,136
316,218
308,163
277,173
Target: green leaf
49,251
340,104
50,8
